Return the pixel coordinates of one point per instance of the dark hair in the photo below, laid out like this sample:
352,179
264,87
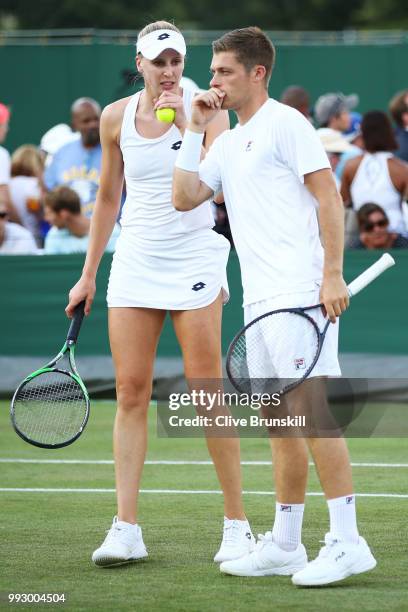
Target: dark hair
377,132
295,96
63,198
251,47
366,210
157,25
398,106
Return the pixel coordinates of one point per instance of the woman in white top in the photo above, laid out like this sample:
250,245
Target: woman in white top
164,260
377,175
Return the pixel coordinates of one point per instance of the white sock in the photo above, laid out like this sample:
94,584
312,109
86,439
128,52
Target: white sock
343,521
287,528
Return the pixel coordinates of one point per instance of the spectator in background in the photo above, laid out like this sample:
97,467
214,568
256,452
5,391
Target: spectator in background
55,138
354,137
70,227
399,111
26,188
332,110
14,239
5,164
297,97
374,233
377,175
78,163
335,144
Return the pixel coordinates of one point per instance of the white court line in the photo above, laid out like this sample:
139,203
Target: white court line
180,492
175,462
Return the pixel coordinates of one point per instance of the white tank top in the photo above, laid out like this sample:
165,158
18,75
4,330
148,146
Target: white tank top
148,167
372,183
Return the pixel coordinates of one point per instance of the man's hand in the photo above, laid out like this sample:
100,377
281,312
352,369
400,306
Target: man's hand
204,108
334,296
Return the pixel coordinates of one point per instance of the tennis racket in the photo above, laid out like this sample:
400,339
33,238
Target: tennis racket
275,352
50,407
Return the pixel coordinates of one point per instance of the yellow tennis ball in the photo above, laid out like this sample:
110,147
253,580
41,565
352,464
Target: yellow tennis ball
166,114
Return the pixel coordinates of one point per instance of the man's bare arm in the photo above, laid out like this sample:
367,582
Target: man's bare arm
188,191
333,293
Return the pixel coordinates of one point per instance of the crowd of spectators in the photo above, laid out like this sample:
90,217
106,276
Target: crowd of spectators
47,192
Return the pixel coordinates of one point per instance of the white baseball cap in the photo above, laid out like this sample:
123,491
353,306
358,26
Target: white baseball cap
154,43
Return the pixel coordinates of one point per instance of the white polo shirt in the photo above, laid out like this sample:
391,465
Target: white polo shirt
260,168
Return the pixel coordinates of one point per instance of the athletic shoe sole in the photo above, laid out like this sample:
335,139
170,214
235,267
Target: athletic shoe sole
279,571
370,564
113,561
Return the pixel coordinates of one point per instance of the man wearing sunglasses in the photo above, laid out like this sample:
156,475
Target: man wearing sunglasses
373,225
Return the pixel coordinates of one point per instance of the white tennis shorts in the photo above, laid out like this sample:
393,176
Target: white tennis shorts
177,273
285,350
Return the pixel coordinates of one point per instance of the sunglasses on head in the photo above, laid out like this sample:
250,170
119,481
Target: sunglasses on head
3,214
370,225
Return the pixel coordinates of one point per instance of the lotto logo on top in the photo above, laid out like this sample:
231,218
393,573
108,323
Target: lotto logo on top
163,36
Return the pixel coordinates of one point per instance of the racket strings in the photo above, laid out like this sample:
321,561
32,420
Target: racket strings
50,408
273,352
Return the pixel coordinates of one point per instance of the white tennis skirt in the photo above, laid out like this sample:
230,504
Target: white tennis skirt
178,273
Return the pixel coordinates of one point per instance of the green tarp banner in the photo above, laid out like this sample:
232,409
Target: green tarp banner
34,291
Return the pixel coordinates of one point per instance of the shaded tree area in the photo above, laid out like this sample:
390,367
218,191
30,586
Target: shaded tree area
208,14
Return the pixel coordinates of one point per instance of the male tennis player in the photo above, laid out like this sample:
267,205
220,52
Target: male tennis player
274,174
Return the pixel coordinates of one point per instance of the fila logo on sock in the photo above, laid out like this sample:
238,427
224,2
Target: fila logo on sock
350,499
286,508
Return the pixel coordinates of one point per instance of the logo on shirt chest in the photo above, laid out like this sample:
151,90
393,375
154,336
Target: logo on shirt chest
176,145
249,145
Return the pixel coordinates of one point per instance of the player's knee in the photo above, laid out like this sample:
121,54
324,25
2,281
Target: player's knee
133,393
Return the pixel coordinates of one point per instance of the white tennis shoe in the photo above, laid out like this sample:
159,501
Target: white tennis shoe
268,559
336,561
123,544
237,540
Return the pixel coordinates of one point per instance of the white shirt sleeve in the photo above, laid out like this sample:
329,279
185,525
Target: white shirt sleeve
298,145
4,166
210,168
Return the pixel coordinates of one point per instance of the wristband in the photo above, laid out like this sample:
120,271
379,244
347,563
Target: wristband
188,157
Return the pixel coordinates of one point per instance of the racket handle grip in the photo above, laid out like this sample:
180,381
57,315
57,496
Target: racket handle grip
367,277
76,323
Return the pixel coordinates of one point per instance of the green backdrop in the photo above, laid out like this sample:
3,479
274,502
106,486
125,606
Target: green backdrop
40,82
34,291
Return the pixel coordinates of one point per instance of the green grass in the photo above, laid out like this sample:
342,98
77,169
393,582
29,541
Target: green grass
46,539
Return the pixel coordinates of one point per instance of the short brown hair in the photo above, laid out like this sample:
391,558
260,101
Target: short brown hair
296,97
251,47
377,132
368,209
27,160
63,198
157,25
398,106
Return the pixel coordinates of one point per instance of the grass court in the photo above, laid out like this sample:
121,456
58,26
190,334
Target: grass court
47,537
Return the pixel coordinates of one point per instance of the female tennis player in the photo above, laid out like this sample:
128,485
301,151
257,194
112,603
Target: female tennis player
164,261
